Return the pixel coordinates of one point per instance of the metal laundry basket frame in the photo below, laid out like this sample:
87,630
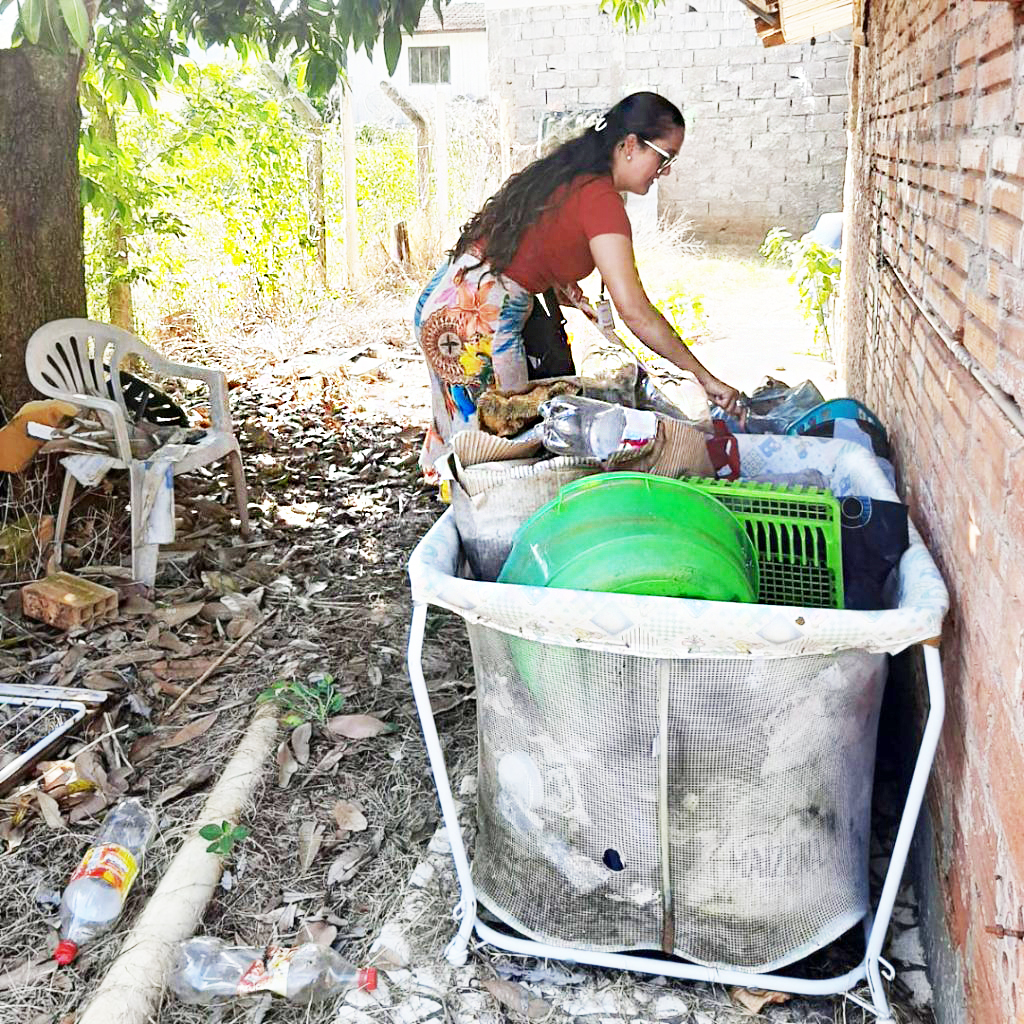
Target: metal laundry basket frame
871,969
543,614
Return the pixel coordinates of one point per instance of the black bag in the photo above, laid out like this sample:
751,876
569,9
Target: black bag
545,341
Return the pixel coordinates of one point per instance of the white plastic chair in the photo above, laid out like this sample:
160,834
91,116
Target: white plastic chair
80,361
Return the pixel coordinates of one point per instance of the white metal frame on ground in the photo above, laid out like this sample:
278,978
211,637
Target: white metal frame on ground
870,969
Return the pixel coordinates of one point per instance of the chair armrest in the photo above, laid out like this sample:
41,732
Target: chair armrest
215,380
111,412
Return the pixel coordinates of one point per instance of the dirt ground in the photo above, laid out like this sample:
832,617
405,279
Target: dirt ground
330,412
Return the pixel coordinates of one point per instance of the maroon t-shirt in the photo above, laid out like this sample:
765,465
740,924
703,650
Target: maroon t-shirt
555,249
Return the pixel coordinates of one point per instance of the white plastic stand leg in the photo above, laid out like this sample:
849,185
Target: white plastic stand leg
457,949
905,832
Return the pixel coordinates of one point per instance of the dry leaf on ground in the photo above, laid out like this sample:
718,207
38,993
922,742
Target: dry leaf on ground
192,780
300,742
177,614
754,1000
320,932
181,669
349,817
26,974
145,747
190,731
358,727
48,809
346,865
287,766
518,999
311,836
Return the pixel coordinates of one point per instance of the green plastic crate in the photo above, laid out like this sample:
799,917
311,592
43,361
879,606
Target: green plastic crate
797,534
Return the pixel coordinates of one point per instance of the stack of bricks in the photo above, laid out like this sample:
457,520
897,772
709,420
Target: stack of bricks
766,139
936,268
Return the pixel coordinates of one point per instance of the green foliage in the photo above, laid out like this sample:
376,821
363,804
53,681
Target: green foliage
314,701
632,13
685,312
815,272
238,151
58,25
224,837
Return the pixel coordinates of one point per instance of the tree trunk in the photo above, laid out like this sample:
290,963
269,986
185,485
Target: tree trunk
42,274
317,211
120,307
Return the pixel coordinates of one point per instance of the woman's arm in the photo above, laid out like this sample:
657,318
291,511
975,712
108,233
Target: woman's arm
613,255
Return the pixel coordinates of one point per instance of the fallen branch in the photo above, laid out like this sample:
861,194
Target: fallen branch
129,992
228,651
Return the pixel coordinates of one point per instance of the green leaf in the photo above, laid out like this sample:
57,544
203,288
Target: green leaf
31,17
140,95
117,89
53,25
392,45
77,20
240,833
210,832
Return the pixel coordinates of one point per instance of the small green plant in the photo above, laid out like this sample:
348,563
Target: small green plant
815,272
685,312
223,837
313,701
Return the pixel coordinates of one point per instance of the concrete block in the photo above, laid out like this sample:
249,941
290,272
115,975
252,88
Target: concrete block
548,45
694,77
584,78
537,28
571,26
640,60
756,90
529,65
740,73
593,60
562,62
549,80
739,36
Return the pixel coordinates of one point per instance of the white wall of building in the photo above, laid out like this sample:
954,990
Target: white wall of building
467,66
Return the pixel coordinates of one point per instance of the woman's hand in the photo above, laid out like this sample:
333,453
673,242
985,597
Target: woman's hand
572,295
722,394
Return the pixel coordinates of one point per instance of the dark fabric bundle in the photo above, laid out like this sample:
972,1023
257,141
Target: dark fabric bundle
545,340
874,537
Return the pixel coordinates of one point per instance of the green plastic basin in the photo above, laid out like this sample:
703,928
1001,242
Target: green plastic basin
632,533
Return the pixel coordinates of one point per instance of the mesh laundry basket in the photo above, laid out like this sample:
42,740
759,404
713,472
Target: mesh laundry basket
673,774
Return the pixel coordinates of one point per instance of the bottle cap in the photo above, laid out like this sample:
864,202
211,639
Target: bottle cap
366,978
65,952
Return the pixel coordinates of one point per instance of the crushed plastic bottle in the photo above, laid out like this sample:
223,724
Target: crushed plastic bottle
585,427
208,969
96,892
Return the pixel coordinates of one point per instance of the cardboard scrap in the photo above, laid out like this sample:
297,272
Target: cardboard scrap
16,447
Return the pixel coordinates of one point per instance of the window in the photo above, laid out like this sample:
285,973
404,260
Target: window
429,65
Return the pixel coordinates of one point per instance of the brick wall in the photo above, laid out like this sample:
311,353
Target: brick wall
934,280
766,140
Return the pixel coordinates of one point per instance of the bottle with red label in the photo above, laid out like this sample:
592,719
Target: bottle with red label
208,970
94,896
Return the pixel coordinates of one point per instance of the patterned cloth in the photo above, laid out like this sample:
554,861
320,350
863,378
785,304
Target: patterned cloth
469,324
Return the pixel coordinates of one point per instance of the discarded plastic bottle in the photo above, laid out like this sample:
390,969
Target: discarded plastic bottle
209,969
96,892
586,427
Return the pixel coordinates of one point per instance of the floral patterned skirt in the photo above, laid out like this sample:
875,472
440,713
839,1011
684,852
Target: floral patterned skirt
469,324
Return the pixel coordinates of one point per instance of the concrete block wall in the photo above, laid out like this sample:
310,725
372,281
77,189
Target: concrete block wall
766,140
936,278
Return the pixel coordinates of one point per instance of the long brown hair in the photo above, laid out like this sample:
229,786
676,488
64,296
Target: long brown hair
499,225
